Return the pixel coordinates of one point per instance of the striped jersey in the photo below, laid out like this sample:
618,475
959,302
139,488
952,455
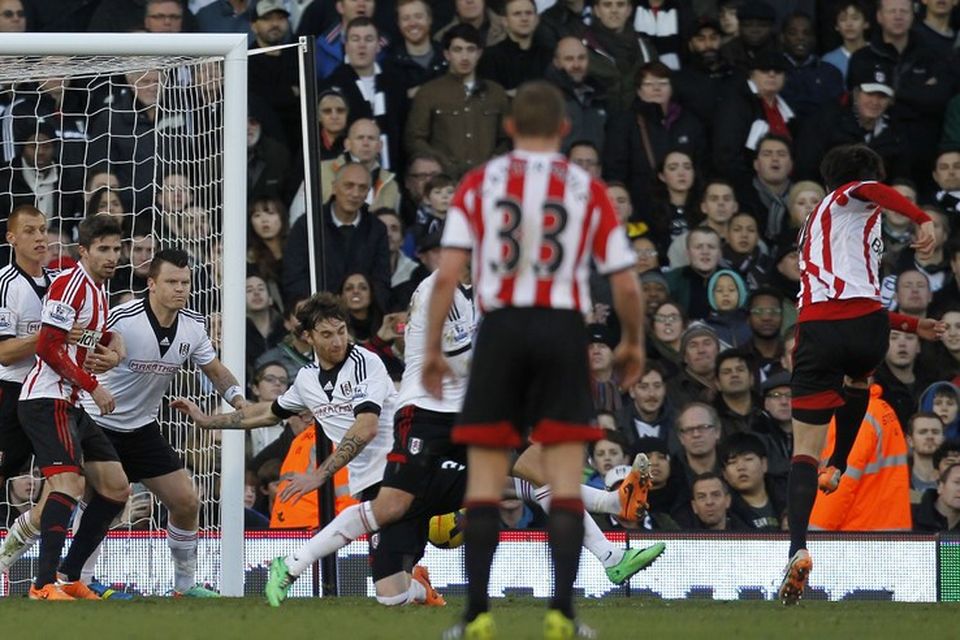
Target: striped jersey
534,222
359,384
457,341
21,302
840,248
73,298
154,355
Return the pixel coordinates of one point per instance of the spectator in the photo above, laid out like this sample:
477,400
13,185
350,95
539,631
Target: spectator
874,491
103,200
330,44
616,52
924,436
775,423
727,18
363,316
864,119
711,504
734,402
852,25
433,212
274,76
913,295
757,499
163,16
268,160
586,155
293,352
585,99
898,374
267,229
672,210
668,24
476,14
658,126
934,264
665,339
766,322
718,204
802,200
334,114
699,429
564,19
937,29
700,81
811,83
946,454
229,16
728,317
13,19
743,251
897,230
946,175
34,175
604,455
421,169
688,285
667,490
924,83
648,415
943,356
939,510
417,58
696,382
646,253
943,399
756,37
518,57
458,117
606,393
401,267
352,240
766,194
370,93
270,380
136,254
264,324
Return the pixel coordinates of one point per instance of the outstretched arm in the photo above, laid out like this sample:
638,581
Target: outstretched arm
225,383
252,416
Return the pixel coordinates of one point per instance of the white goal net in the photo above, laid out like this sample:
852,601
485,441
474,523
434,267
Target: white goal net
140,137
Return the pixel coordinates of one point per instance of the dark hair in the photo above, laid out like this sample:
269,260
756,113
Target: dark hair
946,448
23,210
538,109
921,414
851,163
856,4
464,31
951,249
360,21
290,305
650,366
738,444
97,227
656,69
269,471
258,253
262,368
802,15
708,475
773,137
610,436
387,211
583,142
97,198
175,257
320,307
732,354
719,181
764,291
438,181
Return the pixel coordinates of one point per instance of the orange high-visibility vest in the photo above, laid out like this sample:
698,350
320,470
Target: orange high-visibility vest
304,514
874,491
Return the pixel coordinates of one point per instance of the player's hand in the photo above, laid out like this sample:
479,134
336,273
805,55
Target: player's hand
75,334
101,359
926,239
192,411
930,329
435,369
104,400
628,360
299,485
392,326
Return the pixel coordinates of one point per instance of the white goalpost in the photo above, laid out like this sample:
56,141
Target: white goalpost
197,132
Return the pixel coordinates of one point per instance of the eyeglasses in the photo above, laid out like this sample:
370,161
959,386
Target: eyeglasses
165,16
10,13
646,253
766,311
275,379
697,428
658,84
329,110
780,394
669,317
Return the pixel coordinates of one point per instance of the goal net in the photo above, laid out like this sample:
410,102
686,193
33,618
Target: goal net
140,137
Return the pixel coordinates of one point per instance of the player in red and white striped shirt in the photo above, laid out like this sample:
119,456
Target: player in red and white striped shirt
842,330
533,222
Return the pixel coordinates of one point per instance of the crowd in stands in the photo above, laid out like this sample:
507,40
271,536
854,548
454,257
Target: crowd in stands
707,119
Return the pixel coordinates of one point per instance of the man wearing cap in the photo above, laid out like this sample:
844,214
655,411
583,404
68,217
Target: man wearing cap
924,81
33,177
811,83
705,74
864,119
656,290
274,77
775,424
757,35
606,394
697,381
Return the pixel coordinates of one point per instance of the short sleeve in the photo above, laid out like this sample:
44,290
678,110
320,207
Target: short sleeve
9,318
292,399
375,388
58,314
204,353
457,232
611,250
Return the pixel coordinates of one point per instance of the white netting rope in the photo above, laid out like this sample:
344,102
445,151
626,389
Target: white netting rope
141,138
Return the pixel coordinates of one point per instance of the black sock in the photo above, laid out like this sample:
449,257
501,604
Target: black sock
849,418
93,527
480,538
565,528
54,520
801,494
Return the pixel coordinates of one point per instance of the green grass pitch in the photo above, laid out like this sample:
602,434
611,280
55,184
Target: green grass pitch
357,619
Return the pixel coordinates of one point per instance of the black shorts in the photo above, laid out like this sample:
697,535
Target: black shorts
63,436
15,446
421,441
144,452
828,350
529,374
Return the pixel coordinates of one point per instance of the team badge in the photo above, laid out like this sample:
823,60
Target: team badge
6,320
346,389
415,445
184,349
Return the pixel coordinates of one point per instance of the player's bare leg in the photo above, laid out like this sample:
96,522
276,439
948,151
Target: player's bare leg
808,441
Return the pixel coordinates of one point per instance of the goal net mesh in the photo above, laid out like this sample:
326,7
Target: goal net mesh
140,138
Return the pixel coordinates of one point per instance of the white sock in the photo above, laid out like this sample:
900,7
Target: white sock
353,522
183,548
599,500
394,601
78,516
90,566
24,530
20,537
597,544
416,593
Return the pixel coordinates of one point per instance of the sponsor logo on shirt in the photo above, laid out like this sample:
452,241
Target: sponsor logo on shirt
33,327
150,366
89,339
6,320
328,410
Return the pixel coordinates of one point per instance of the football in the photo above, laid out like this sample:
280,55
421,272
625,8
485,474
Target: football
446,531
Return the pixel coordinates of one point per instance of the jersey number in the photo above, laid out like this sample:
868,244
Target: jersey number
550,252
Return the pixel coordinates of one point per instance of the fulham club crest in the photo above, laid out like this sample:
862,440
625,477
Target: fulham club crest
184,349
415,445
346,389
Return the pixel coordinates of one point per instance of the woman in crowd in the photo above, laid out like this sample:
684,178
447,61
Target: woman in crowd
267,228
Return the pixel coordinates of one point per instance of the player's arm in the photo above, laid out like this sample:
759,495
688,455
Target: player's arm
435,368
52,349
890,198
107,354
927,328
252,416
225,383
13,349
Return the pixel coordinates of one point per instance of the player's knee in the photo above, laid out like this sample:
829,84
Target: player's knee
68,483
186,508
387,511
116,491
393,601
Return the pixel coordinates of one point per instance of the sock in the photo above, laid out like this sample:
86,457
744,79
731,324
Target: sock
524,490
801,494
54,520
96,521
353,522
395,601
78,515
21,536
597,544
23,528
183,548
481,535
416,593
89,569
565,528
849,418
599,500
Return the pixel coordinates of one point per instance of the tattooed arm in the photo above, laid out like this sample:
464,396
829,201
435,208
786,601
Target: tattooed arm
360,434
249,417
225,383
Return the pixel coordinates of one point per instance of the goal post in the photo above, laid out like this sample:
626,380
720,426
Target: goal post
232,50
